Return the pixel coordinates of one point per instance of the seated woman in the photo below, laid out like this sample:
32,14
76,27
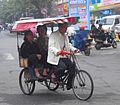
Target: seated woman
30,50
42,42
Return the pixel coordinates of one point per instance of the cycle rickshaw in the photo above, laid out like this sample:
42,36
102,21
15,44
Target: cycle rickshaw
82,83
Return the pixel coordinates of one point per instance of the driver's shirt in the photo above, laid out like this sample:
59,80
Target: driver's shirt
62,42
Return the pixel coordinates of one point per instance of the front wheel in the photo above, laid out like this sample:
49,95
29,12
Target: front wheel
98,46
26,84
114,45
82,85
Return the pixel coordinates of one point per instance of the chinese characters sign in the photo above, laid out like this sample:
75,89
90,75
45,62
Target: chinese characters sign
80,8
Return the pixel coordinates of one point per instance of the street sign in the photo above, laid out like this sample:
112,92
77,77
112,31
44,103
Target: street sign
44,11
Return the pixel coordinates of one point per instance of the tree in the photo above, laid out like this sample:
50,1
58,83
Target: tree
12,10
46,4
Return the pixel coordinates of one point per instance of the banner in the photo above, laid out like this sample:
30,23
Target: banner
59,1
65,8
60,9
64,1
80,8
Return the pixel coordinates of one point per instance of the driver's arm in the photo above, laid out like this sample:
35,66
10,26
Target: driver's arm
52,43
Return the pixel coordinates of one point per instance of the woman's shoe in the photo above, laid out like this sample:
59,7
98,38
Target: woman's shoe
44,72
54,79
37,74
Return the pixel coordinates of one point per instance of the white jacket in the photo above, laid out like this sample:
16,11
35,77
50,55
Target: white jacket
54,47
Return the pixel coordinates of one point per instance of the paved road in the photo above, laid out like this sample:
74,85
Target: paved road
103,66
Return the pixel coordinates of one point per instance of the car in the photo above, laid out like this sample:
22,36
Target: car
97,22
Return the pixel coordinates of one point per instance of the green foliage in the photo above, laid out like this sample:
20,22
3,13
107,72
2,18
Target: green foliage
12,10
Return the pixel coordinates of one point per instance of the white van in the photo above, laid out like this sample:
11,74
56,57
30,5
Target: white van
109,22
97,22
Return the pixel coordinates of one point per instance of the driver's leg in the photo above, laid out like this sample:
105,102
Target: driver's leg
34,62
71,70
61,67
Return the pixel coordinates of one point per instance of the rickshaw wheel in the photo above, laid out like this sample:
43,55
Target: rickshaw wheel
26,84
82,85
50,85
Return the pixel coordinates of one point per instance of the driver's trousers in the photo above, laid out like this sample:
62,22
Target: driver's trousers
66,64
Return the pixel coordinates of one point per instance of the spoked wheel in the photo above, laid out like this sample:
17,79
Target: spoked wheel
26,84
82,85
50,85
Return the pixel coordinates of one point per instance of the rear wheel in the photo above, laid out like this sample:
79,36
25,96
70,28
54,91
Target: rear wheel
82,85
26,84
51,85
87,51
98,46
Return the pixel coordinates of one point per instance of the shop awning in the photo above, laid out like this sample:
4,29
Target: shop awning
23,26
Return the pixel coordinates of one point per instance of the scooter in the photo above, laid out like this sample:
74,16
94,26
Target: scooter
84,46
110,41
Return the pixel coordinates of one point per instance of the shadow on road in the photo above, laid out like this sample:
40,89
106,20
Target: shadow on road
46,97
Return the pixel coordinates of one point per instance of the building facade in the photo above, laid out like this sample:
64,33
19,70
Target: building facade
98,8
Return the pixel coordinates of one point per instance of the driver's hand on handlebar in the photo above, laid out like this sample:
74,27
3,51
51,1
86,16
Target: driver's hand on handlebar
77,51
59,52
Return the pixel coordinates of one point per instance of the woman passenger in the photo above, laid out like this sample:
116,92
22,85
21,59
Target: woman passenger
30,50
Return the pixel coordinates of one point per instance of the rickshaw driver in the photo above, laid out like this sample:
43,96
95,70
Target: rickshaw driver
58,41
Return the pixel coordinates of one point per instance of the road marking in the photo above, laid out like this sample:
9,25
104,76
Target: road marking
8,56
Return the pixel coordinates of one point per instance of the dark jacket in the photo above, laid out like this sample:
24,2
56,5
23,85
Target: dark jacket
43,46
28,49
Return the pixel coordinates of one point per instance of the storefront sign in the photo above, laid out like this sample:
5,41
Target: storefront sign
64,1
65,8
60,9
73,1
60,1
116,1
80,8
93,7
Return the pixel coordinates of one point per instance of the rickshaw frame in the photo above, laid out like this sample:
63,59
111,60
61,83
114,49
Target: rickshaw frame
30,83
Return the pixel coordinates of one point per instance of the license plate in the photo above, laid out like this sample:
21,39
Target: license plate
89,46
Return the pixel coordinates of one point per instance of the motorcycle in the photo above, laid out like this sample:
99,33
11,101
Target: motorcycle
108,42
84,45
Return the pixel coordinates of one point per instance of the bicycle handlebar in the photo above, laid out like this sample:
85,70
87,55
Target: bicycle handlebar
62,52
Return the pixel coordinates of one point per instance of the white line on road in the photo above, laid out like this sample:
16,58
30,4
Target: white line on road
8,56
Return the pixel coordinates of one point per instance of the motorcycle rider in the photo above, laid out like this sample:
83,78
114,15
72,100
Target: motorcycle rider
80,38
94,31
101,33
